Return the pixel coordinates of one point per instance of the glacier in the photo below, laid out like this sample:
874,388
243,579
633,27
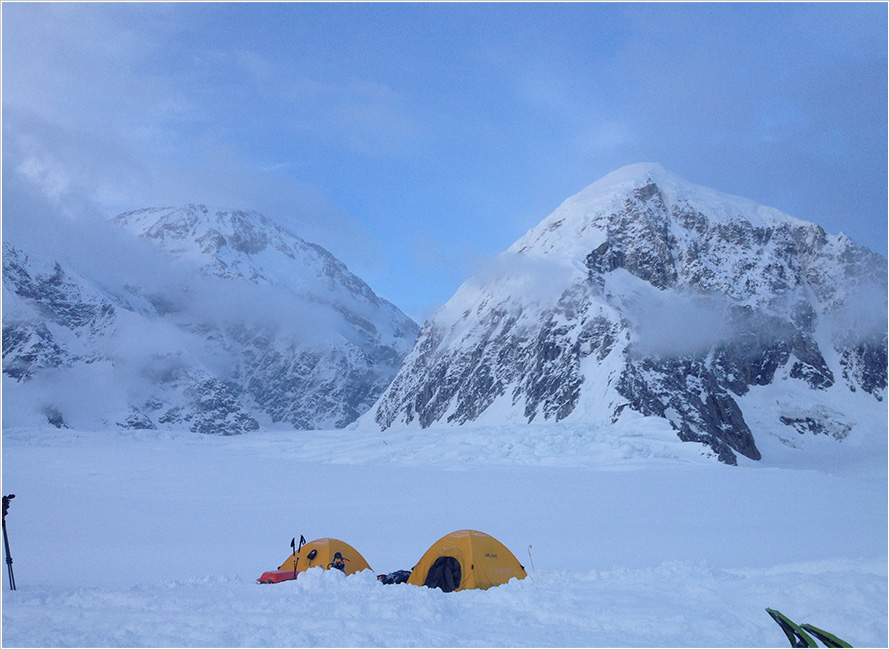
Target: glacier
150,538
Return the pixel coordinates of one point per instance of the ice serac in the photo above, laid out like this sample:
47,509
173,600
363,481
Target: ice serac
646,294
225,323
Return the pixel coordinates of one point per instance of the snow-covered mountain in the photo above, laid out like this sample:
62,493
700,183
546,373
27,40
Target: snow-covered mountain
217,321
646,295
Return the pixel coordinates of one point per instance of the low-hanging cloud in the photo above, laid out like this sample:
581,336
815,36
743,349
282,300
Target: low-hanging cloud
862,316
54,217
675,324
536,279
60,186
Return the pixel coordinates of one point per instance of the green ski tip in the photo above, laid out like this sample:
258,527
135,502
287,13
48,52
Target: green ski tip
796,635
827,638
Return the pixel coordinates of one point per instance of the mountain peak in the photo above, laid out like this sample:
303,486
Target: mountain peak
244,231
226,322
583,221
645,295
636,175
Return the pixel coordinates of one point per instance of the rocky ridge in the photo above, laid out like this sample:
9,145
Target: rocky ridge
242,325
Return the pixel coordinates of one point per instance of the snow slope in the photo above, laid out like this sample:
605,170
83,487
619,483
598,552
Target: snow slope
630,538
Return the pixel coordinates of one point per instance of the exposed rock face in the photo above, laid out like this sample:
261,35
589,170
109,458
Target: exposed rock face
241,325
59,302
647,293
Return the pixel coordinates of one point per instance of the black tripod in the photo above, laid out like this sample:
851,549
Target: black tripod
6,501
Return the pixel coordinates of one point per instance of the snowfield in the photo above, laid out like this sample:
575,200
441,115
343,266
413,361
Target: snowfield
630,537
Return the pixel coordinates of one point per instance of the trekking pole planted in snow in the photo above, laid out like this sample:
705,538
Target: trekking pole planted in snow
6,501
293,542
530,557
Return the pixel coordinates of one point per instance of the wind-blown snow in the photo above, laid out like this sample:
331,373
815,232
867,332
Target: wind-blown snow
630,538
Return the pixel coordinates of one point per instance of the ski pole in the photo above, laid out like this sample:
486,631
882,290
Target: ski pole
296,551
6,501
530,557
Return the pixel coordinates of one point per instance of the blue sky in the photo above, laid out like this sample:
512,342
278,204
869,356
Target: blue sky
415,141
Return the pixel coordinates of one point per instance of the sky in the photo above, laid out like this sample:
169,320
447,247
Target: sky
415,141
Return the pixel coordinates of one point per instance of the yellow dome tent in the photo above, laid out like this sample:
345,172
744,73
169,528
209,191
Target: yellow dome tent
466,559
327,553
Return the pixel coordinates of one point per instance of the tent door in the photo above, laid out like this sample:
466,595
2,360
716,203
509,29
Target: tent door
444,574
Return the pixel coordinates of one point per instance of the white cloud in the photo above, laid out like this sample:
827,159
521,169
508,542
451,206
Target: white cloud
671,323
863,314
